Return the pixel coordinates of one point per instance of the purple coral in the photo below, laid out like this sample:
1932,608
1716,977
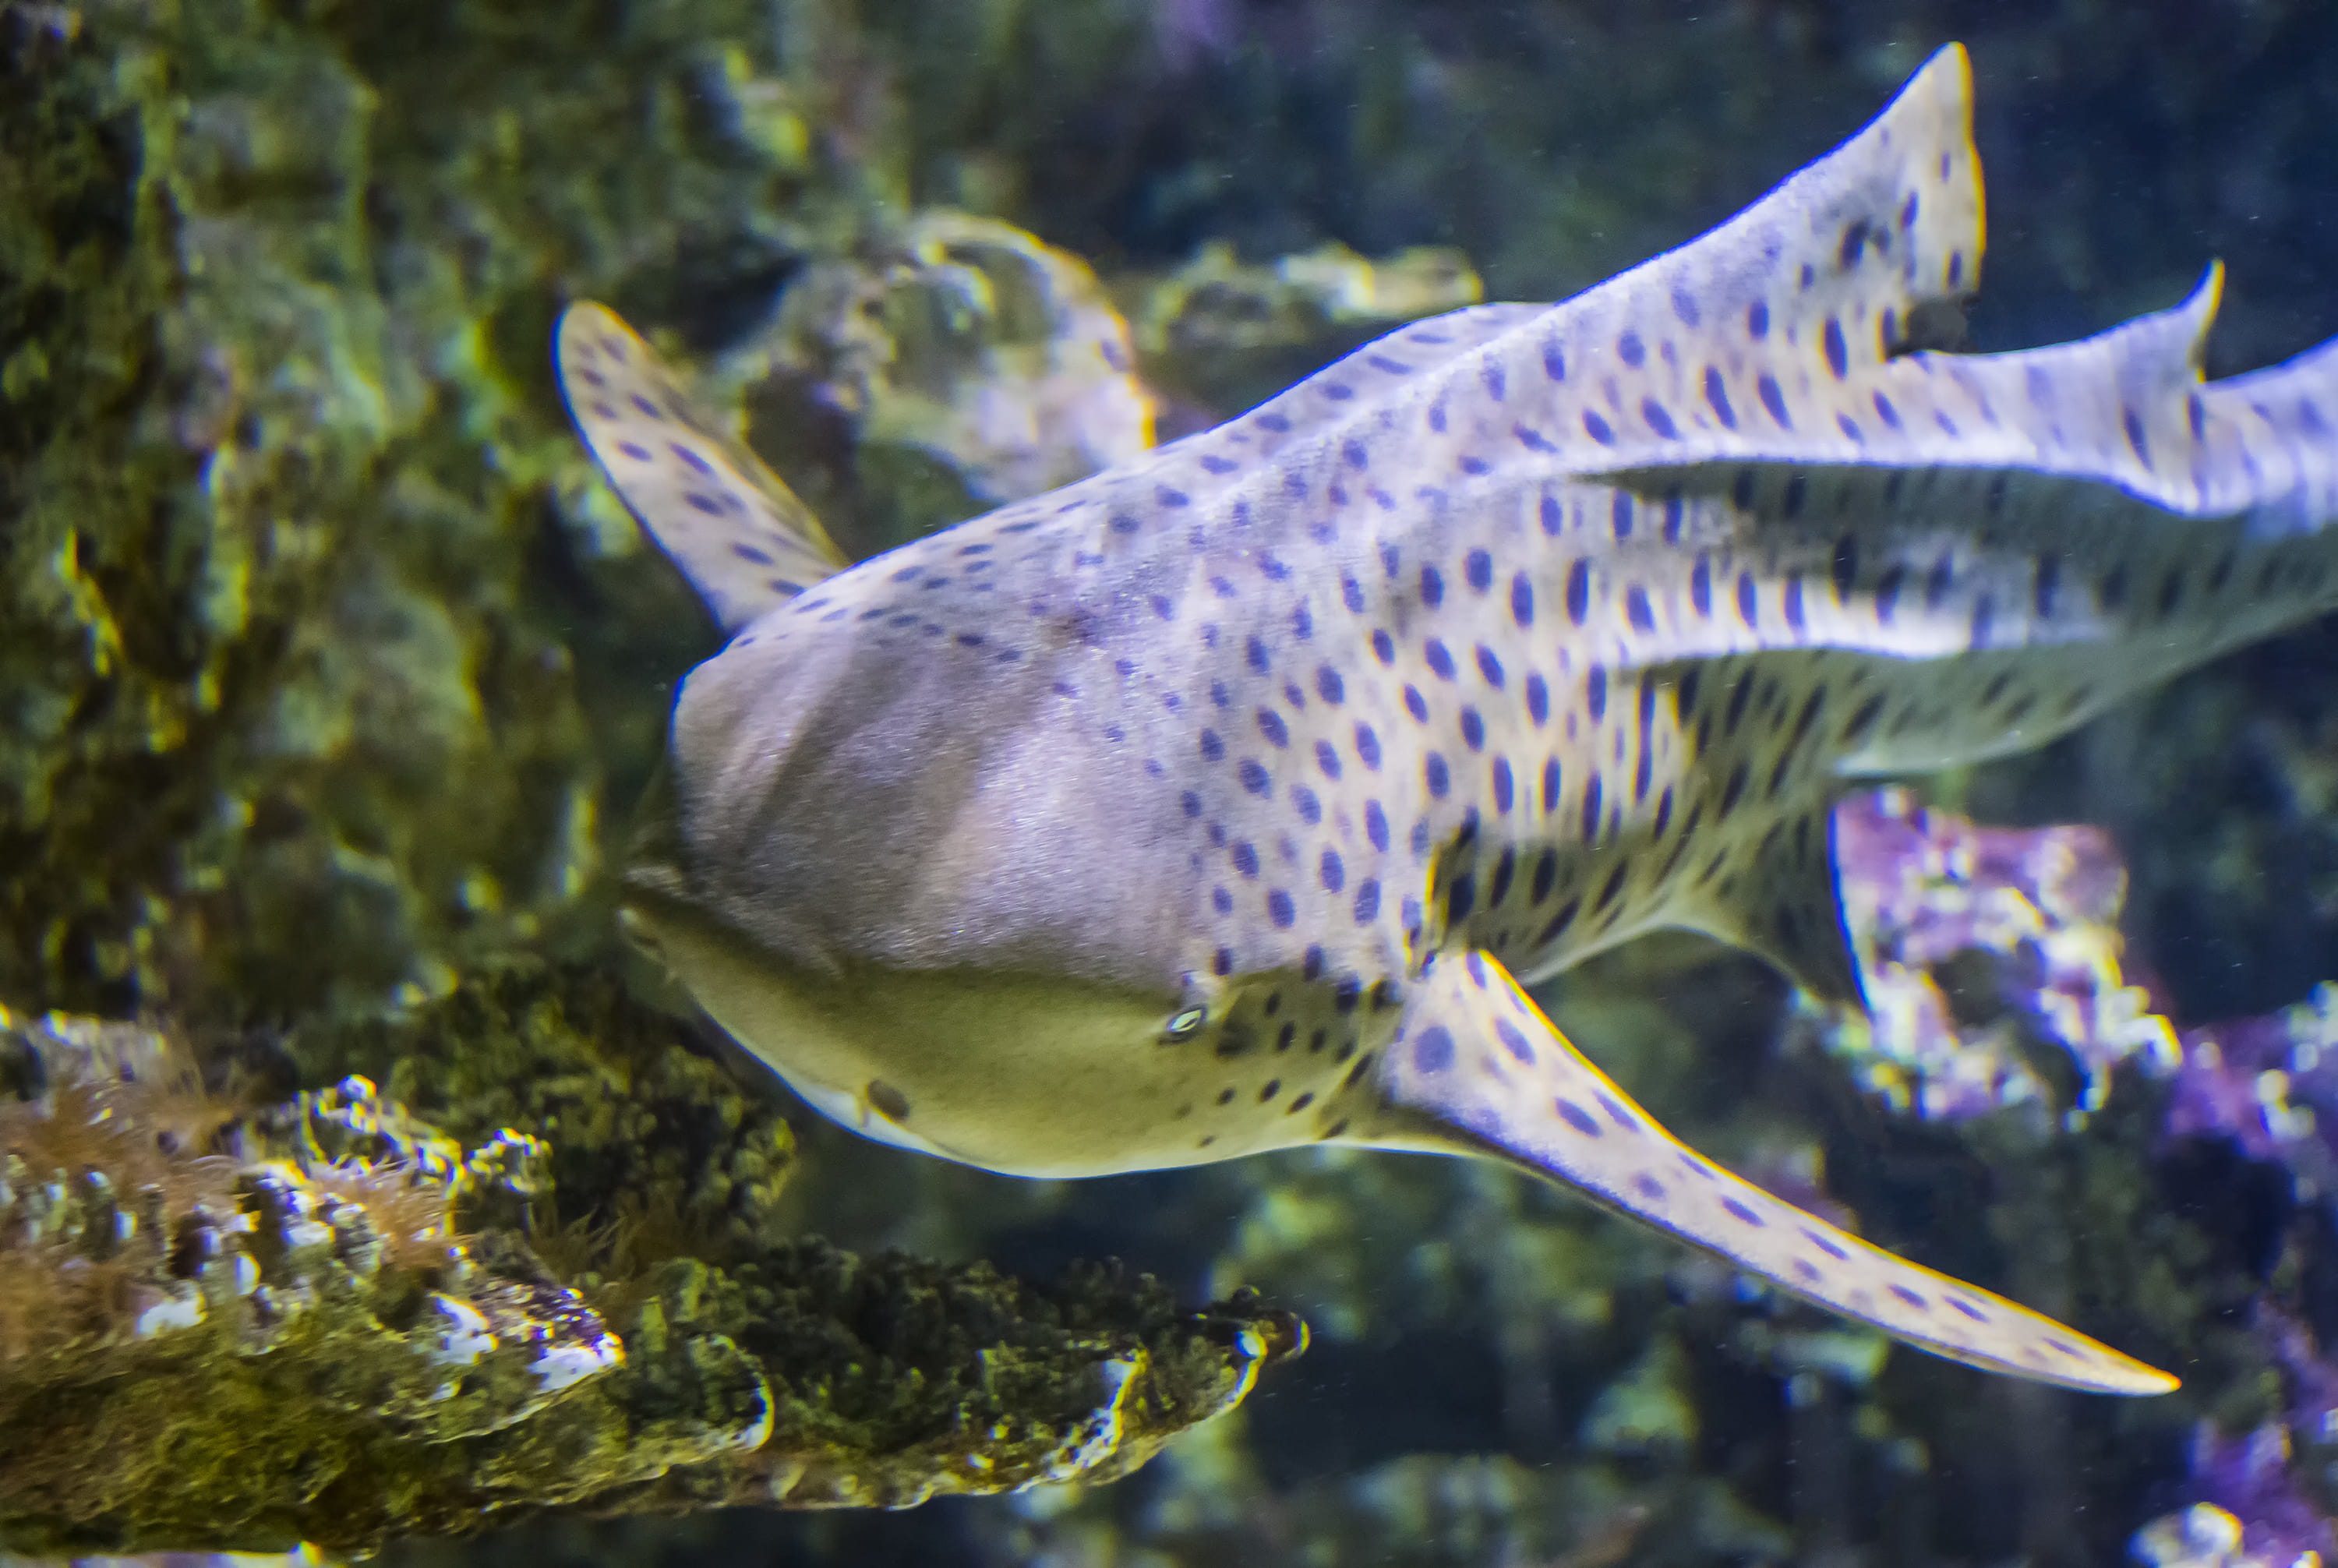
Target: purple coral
2249,1476
1924,890
2271,1085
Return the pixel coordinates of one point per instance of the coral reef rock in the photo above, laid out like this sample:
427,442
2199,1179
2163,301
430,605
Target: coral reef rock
1985,953
325,1321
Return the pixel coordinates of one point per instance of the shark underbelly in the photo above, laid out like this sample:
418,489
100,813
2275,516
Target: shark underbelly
1038,1091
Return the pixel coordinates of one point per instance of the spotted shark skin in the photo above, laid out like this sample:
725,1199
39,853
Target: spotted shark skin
1221,802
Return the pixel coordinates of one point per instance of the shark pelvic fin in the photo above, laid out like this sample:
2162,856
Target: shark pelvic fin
1492,1075
740,535
1787,907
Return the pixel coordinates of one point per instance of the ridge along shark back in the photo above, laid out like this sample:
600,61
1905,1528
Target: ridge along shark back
1222,801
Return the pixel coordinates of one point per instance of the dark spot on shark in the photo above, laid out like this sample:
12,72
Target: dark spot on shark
1433,1049
1887,593
1854,244
2047,588
1557,926
1614,885
1577,1117
1984,615
1844,570
1636,609
1940,581
1838,357
1734,790
1716,397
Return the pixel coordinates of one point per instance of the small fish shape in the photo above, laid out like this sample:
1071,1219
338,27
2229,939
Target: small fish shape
1226,801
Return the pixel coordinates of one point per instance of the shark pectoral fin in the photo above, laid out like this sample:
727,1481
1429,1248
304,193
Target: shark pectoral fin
740,535
1477,1056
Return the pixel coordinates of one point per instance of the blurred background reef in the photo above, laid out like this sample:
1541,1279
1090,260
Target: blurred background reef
328,675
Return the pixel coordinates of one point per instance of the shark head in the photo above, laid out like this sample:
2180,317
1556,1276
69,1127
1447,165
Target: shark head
1024,922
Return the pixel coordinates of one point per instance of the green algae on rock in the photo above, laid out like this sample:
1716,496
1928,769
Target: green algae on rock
224,1330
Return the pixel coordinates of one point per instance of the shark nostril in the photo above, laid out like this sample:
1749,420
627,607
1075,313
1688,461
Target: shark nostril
888,1101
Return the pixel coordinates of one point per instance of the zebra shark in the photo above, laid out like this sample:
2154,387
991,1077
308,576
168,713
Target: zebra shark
1228,800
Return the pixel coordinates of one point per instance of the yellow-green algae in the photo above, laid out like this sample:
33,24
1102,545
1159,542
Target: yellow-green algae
354,1381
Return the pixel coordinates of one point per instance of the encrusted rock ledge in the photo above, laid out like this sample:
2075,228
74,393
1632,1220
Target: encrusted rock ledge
327,1320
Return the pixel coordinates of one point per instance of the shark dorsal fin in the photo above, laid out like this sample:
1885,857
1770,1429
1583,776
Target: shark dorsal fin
1710,350
740,535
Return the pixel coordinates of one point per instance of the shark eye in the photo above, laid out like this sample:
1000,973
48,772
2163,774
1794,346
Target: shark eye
1186,1025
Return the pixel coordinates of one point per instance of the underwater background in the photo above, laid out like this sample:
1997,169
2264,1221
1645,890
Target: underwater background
330,676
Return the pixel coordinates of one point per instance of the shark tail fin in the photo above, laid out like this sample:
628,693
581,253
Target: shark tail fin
1477,1062
737,533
